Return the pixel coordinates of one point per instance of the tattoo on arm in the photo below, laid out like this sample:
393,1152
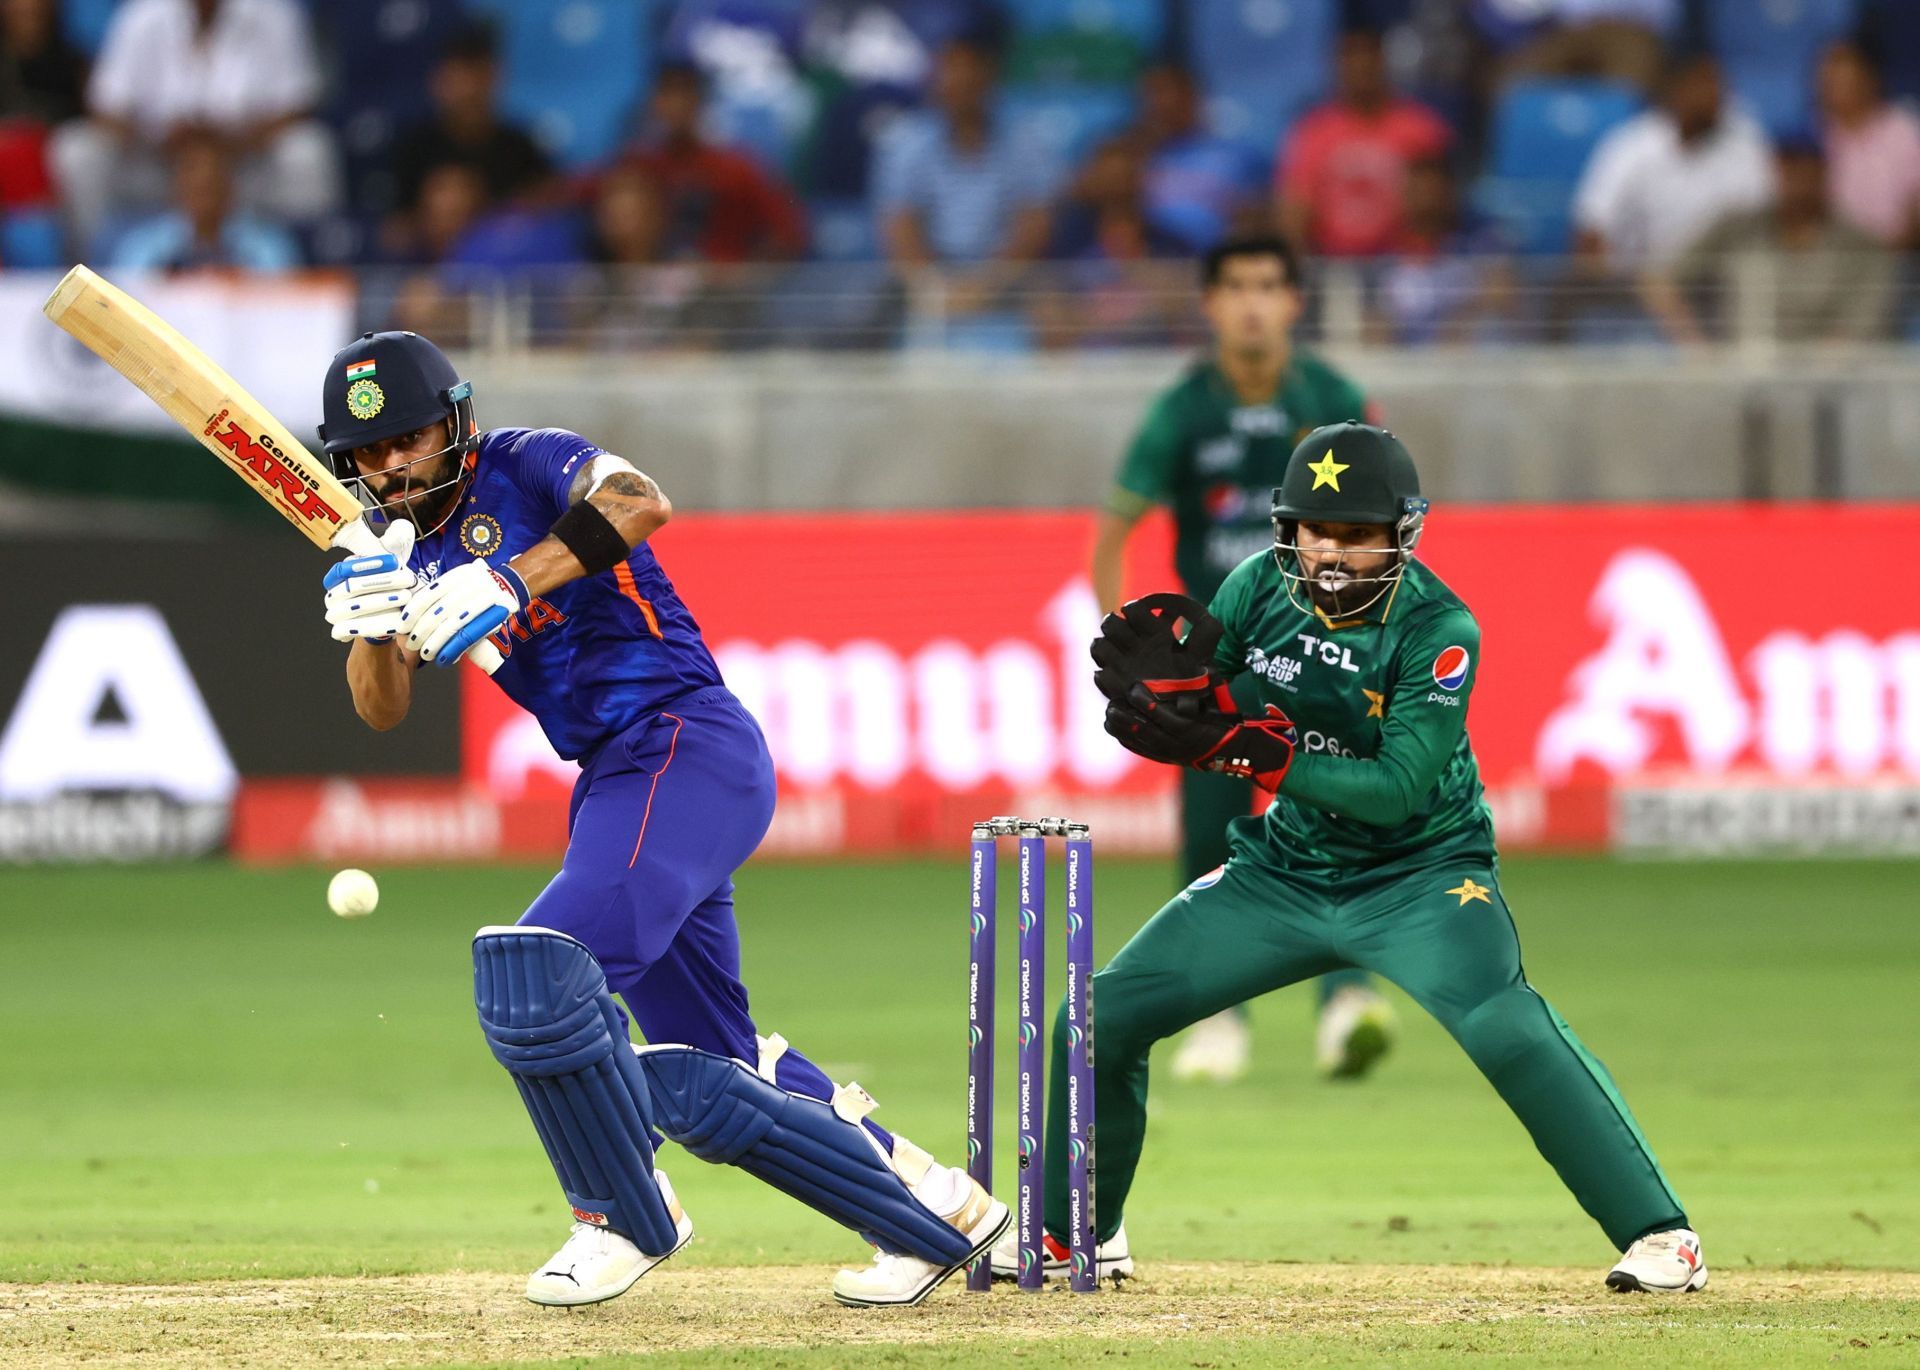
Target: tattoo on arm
624,487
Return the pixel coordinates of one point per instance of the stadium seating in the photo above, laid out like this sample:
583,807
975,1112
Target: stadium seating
1084,42
376,54
85,22
1063,123
575,70
1261,62
1542,133
32,239
1768,49
750,53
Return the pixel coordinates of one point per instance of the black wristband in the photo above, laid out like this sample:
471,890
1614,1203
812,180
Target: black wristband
587,533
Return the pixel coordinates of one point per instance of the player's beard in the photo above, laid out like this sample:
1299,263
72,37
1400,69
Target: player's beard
1338,592
427,492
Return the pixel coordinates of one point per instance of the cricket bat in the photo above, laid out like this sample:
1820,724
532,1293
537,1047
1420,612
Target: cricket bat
203,399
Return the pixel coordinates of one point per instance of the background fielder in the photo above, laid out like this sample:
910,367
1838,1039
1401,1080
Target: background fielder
536,539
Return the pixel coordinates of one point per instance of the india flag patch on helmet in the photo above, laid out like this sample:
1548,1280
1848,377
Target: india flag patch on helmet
360,371
1450,667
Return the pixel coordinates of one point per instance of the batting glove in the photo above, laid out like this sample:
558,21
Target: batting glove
458,608
366,596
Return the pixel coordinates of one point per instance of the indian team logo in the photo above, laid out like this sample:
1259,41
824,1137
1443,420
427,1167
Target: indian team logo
480,534
1450,668
365,399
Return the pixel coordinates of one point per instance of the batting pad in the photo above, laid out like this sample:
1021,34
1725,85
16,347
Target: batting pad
721,1111
547,1014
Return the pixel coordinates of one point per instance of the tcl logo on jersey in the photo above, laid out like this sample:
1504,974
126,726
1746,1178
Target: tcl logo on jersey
1334,654
1450,667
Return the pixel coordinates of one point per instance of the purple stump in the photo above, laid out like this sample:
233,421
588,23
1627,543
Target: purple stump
1085,1277
1032,1056
984,906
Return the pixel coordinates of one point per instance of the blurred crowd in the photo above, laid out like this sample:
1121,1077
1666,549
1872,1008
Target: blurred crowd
786,170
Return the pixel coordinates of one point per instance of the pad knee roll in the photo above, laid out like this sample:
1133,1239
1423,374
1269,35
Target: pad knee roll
550,1020
722,1111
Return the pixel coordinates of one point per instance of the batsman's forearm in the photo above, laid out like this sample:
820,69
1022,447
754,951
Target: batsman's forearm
630,501
380,675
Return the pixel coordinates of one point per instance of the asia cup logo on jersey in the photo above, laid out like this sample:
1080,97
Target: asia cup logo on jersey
480,534
1450,667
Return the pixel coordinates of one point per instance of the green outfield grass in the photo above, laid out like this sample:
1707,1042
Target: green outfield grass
207,1075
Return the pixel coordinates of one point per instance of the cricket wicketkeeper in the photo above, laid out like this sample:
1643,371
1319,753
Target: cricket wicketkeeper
1376,853
536,540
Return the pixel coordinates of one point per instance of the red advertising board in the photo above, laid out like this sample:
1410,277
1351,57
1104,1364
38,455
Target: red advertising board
917,671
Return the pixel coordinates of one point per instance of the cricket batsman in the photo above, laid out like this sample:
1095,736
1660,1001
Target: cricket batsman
536,540
1212,448
1376,853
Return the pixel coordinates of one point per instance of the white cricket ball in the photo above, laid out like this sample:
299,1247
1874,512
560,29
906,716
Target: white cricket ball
352,894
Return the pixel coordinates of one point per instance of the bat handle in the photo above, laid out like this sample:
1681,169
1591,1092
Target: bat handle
360,539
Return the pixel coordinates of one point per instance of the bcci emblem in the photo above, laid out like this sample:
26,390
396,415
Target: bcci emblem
365,399
480,534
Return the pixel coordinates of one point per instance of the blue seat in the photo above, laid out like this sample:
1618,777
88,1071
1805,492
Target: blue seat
843,230
1063,123
1542,134
1768,49
32,239
1087,41
1262,63
376,55
85,22
575,70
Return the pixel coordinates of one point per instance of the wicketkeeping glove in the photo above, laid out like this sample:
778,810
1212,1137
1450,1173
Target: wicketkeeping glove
457,608
1144,644
1208,738
366,595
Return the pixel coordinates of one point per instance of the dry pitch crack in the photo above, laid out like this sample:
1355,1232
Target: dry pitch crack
480,1317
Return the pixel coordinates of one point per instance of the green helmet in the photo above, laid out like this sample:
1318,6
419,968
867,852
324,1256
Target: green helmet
1346,473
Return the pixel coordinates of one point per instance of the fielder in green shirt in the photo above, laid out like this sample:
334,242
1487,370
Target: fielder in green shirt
1377,852
1212,448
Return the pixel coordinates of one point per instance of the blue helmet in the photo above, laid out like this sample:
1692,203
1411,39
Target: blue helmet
381,385
384,384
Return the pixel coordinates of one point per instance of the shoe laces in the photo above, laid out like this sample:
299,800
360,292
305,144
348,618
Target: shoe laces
1661,1243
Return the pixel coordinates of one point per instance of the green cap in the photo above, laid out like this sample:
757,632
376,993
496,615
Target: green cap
1349,473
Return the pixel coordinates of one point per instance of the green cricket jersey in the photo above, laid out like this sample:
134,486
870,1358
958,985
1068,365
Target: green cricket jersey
1383,768
1216,460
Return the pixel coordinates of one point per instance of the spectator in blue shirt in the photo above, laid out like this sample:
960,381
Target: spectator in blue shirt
202,231
1198,187
953,184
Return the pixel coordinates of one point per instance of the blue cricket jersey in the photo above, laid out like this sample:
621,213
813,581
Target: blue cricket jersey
596,655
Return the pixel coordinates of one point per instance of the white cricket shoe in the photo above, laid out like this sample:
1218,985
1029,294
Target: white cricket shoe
1664,1262
1217,1048
597,1264
1356,1029
901,1281
1111,1260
